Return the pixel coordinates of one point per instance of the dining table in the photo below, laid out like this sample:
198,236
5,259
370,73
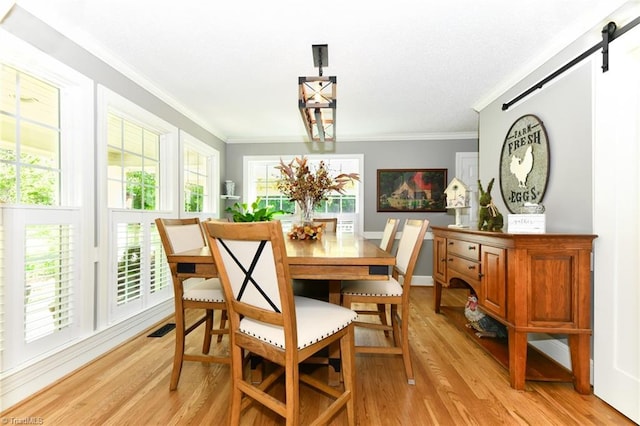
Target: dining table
326,261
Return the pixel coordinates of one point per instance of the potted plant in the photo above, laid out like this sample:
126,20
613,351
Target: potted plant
242,213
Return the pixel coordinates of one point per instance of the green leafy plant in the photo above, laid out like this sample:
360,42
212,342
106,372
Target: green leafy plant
242,213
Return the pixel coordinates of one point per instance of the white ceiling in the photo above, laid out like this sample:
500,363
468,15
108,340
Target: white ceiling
406,70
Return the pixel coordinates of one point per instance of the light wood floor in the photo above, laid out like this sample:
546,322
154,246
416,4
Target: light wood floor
457,383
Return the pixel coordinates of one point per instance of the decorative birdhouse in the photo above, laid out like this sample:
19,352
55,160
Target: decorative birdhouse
457,193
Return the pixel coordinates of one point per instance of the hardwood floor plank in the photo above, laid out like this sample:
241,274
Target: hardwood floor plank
457,383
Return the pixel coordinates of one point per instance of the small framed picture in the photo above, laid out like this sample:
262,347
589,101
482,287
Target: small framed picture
411,190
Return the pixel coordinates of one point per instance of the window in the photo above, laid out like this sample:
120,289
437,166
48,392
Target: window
45,123
196,190
133,155
261,177
45,254
50,266
160,275
129,247
30,145
200,165
140,160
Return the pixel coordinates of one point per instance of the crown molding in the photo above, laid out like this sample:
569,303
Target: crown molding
372,138
5,8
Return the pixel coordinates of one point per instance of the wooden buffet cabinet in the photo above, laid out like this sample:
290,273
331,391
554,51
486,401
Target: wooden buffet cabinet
532,283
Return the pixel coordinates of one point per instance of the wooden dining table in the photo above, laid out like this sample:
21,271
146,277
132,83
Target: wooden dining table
328,261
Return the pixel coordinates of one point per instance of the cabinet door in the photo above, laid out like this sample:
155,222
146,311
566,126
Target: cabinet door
440,259
493,283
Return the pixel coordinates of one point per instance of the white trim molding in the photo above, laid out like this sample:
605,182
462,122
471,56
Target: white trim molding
5,8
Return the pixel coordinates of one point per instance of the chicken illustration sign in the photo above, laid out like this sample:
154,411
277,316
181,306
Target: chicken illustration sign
524,163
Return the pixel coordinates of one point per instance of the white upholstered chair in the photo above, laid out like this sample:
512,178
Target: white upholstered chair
180,235
268,321
386,243
389,234
393,292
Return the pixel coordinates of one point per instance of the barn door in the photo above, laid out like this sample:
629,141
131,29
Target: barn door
616,177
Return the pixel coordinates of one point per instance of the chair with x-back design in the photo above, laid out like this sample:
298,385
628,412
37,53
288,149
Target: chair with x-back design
268,321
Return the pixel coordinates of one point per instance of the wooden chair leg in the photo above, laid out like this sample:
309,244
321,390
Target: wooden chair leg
206,344
223,323
179,349
406,354
292,395
395,326
382,313
349,372
345,301
235,404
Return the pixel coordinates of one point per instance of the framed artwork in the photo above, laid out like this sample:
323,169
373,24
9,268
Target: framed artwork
411,190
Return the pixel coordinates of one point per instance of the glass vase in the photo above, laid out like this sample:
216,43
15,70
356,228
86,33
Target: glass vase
306,210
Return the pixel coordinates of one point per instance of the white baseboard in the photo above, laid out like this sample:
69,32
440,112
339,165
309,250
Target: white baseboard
422,281
375,235
17,385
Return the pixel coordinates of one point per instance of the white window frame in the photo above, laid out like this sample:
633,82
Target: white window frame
212,207
75,208
109,312
249,194
117,174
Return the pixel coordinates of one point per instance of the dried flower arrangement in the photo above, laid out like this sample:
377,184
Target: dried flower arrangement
309,188
308,231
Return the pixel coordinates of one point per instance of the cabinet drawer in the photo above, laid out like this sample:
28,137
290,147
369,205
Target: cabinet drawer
465,269
464,249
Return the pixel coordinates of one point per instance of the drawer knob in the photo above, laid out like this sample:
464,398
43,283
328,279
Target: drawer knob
471,247
472,267
450,243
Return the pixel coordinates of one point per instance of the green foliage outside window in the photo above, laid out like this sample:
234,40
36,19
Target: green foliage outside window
37,185
141,186
340,204
195,200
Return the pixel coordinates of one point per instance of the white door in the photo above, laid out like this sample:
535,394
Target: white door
467,172
616,183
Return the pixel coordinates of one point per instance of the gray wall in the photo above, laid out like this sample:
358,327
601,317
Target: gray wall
565,108
377,155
